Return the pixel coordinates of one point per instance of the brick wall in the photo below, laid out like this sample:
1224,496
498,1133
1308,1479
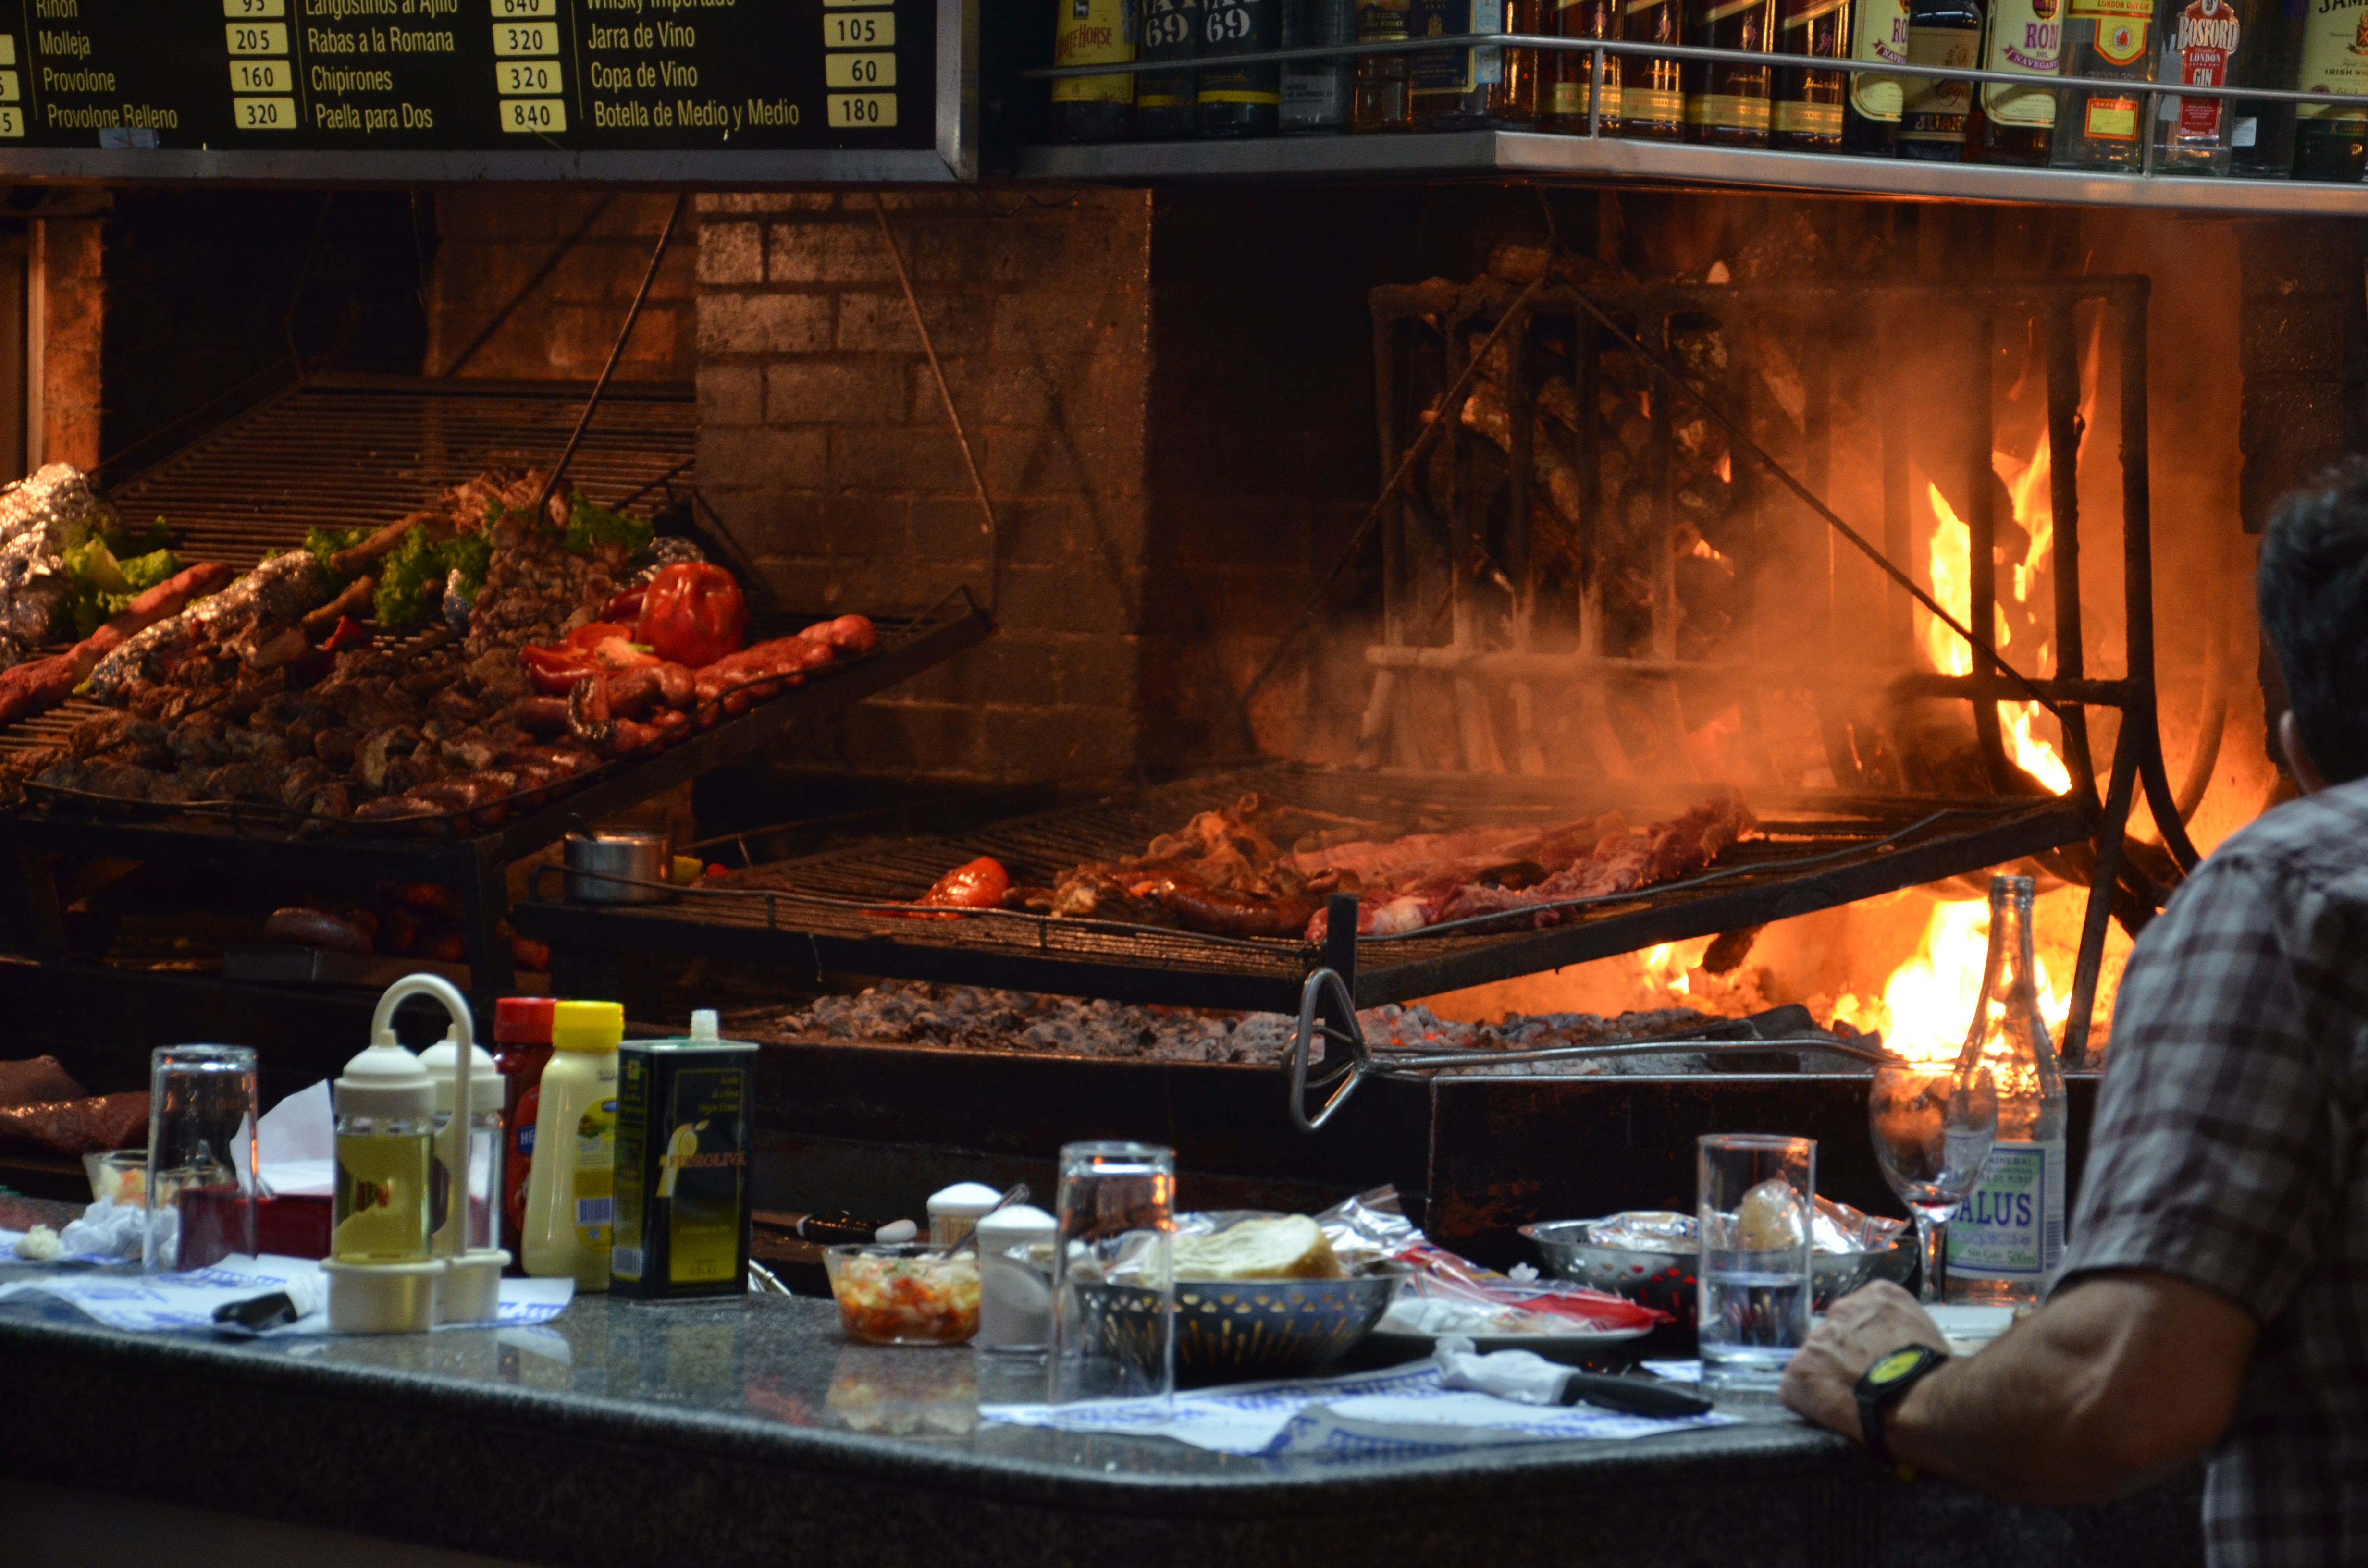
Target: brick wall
825,450
2303,337
492,244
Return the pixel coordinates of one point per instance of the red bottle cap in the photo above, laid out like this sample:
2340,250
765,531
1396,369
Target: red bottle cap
523,1020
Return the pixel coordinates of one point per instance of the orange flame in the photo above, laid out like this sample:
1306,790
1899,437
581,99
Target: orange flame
1949,564
1927,1004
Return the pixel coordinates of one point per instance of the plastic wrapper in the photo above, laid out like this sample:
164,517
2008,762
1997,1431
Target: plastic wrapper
41,516
1441,1293
1447,1295
1834,1228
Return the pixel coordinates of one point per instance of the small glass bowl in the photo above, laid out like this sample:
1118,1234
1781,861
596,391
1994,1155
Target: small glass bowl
121,1175
910,1294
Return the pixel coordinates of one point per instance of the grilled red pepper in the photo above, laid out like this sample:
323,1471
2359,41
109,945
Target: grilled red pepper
592,649
692,613
555,671
975,884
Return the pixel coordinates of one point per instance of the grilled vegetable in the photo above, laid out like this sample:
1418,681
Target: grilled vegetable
692,614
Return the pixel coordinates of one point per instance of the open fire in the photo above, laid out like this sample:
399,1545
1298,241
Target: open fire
1923,1003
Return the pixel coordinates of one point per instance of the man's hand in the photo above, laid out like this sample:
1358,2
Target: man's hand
1821,1382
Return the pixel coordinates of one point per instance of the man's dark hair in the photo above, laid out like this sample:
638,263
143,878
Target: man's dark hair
2312,588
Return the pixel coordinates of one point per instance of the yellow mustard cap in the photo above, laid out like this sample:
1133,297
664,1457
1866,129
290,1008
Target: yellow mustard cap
587,1026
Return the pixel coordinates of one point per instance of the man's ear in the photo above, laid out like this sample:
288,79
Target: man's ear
2306,772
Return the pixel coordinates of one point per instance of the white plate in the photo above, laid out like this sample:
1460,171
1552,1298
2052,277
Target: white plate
1571,1349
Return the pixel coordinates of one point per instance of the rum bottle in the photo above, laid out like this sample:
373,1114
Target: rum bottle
2006,1243
2098,127
1093,32
1872,104
1315,93
1652,89
1242,100
1933,120
2200,49
1481,88
1566,77
1726,104
2331,141
1808,113
2025,37
1167,103
1382,101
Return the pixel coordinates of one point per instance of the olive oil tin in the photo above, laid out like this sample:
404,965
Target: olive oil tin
684,1113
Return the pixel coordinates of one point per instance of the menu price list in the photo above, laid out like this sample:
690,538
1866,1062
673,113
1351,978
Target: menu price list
459,75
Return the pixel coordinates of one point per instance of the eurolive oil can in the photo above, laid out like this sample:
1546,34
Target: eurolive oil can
684,1109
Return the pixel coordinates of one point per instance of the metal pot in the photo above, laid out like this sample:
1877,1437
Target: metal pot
610,866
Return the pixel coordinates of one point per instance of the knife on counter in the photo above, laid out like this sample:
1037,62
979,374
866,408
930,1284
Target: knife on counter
1630,1396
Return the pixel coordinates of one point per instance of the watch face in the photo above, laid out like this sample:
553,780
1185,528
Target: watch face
1896,1365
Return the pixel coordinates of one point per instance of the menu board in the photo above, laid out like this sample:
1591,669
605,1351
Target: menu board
468,75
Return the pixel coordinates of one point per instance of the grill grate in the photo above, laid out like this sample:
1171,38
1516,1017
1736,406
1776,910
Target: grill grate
338,452
1860,847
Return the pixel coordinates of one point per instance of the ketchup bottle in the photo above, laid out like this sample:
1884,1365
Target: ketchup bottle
522,1048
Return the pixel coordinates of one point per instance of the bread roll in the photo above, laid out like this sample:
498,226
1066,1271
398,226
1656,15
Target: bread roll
1287,1246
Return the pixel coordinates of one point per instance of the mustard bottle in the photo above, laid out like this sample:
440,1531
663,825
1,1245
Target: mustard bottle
386,1109
569,1191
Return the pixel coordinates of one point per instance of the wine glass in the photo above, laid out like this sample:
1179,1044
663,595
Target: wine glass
1933,1127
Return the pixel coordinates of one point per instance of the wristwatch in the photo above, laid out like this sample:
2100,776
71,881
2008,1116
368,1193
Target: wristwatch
1882,1386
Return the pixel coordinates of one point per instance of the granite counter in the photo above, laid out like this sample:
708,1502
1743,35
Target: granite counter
752,1431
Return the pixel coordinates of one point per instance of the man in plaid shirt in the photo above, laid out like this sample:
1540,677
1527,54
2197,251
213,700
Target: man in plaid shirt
2215,1297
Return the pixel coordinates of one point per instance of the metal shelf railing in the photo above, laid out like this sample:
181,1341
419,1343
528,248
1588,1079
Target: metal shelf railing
1734,162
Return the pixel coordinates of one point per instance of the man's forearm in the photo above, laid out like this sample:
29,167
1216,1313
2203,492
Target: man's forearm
2041,1417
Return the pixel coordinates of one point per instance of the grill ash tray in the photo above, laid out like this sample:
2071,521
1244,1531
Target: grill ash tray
829,913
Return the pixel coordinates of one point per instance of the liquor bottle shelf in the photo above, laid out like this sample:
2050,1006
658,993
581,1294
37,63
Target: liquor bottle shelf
1513,154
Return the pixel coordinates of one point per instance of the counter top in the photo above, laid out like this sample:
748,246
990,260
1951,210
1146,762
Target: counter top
753,1431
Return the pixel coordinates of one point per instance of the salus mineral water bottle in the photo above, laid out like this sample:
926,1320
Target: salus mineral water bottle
2005,1243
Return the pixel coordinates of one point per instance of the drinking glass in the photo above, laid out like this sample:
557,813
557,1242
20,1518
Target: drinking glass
1113,1287
1933,1127
1756,1194
200,1156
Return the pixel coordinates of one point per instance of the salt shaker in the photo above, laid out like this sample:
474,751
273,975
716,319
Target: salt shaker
1014,1286
954,1212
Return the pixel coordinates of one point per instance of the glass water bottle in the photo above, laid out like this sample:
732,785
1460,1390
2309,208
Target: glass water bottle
2005,1243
